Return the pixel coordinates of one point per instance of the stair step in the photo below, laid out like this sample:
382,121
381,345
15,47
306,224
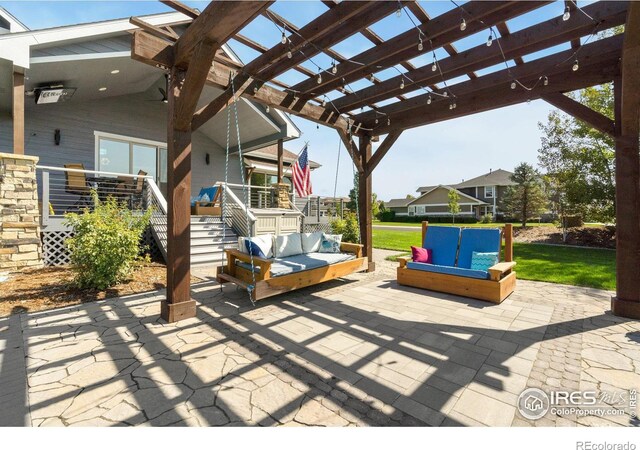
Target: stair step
206,258
210,243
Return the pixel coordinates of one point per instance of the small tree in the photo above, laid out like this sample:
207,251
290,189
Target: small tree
105,248
347,227
526,199
454,206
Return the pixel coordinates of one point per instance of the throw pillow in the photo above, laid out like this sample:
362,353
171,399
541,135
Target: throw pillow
482,261
330,243
311,241
260,246
287,245
423,255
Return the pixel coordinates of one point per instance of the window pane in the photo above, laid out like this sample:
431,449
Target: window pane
144,158
114,156
163,165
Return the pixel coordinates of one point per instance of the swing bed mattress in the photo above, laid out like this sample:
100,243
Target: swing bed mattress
300,263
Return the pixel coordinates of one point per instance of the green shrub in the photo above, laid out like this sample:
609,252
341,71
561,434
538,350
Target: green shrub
105,248
347,227
487,218
387,216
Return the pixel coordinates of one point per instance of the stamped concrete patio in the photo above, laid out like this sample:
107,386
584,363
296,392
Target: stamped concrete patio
361,352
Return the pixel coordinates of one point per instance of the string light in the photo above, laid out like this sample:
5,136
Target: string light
255,89
513,85
284,39
445,93
399,12
567,14
489,40
576,66
377,121
289,54
420,46
324,102
434,66
545,81
429,100
334,69
450,105
267,109
388,122
402,83
319,78
463,24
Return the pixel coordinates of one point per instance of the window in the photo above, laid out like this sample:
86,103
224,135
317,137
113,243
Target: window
419,210
489,191
121,154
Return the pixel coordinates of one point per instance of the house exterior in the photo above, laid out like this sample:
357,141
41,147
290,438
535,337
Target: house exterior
489,188
112,113
435,202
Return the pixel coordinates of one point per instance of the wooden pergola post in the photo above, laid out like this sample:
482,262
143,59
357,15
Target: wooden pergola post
365,192
626,303
280,160
18,113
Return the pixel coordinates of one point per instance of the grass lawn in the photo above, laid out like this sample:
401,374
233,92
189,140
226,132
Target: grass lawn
555,264
467,225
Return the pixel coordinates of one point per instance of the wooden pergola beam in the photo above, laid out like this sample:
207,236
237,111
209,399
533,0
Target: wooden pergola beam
404,46
529,40
382,150
182,8
626,303
352,150
153,30
156,52
576,109
600,52
217,24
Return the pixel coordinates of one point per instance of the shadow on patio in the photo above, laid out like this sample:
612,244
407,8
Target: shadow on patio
370,354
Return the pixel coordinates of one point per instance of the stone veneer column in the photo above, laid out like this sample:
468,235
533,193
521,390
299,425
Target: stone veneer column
20,244
281,191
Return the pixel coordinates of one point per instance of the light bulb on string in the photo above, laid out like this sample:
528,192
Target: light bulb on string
289,54
513,85
429,100
284,39
528,101
545,81
455,105
399,12
434,66
267,109
388,122
567,14
450,105
324,102
489,40
255,89
334,69
402,83
576,66
319,78
445,93
463,24
420,46
377,121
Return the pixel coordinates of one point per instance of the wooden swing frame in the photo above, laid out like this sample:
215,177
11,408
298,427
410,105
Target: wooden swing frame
266,286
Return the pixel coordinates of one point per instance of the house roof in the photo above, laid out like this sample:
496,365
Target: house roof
450,188
498,177
398,202
422,189
270,153
11,22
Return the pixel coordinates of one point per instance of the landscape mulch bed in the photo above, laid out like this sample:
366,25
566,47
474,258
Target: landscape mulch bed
52,287
600,237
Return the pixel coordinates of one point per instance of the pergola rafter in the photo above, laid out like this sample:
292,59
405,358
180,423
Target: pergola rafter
189,59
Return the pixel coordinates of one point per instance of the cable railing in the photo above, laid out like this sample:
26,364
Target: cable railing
66,190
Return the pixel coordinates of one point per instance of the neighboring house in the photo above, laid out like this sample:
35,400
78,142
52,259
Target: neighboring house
435,202
399,206
112,116
487,191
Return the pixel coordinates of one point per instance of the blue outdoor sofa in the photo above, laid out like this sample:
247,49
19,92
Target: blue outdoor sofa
451,268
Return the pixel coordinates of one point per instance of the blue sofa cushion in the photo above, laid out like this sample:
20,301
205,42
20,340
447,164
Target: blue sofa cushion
299,263
211,194
482,240
479,274
443,241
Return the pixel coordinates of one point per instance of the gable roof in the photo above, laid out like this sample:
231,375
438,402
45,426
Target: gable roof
450,188
10,23
498,177
423,189
398,202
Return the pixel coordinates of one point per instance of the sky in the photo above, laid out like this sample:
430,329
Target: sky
441,153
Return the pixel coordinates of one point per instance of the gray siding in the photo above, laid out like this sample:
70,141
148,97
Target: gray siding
132,116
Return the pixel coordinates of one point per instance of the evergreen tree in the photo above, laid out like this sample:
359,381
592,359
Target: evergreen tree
526,199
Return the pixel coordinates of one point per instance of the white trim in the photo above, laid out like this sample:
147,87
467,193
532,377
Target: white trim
129,138
493,192
81,57
476,201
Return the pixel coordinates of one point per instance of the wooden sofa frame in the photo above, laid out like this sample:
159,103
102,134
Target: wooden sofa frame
266,286
501,283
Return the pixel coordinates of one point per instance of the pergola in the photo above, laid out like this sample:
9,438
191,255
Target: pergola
193,59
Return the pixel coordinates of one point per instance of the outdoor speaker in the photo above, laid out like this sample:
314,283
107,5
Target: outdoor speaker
56,137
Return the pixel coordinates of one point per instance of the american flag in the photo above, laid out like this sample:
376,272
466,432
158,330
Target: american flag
302,174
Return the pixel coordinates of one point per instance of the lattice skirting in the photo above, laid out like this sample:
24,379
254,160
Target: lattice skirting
53,248
55,252
314,227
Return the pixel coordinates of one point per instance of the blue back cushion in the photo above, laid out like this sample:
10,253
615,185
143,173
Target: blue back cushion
443,241
477,240
210,191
